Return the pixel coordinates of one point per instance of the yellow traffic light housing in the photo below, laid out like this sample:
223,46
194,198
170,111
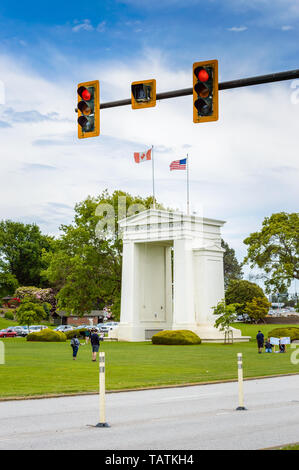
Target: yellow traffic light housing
143,94
88,108
205,91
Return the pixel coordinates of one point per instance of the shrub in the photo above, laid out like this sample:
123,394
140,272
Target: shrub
71,333
40,295
291,331
9,316
47,335
176,337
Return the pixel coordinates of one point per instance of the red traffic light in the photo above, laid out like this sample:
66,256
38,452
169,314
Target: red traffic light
203,75
84,93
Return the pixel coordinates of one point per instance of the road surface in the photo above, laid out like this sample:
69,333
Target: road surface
198,417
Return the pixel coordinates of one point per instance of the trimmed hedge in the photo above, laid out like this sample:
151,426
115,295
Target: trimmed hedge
71,333
47,335
176,337
9,316
292,332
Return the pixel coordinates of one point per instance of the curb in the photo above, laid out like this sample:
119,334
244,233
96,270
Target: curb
193,384
281,447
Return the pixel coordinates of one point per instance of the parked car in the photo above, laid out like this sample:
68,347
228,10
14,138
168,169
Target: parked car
19,330
64,328
105,327
6,333
36,328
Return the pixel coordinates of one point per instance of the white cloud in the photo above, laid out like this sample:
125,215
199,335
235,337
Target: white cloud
238,29
287,28
101,27
85,25
242,168
269,11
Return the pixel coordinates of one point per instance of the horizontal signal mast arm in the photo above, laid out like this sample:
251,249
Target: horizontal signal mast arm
259,80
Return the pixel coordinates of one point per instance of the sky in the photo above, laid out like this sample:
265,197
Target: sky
243,167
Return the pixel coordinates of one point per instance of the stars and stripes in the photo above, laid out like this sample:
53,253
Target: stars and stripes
178,164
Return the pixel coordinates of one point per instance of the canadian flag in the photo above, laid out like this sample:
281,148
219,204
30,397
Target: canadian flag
143,156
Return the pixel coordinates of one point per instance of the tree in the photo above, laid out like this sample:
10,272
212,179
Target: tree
275,249
31,312
227,314
241,292
257,309
86,266
232,268
8,283
21,248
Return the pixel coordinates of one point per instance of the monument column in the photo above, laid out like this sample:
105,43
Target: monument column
128,291
183,285
209,280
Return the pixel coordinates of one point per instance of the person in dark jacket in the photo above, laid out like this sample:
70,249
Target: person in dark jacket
268,346
95,344
75,343
282,347
260,341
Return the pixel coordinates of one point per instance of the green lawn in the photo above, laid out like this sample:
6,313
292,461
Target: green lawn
6,323
38,368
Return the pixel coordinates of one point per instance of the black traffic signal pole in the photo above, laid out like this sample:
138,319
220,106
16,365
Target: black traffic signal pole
259,80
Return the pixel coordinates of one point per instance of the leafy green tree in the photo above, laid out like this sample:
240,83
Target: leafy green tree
8,283
257,309
232,268
241,292
86,266
275,249
21,248
227,315
30,312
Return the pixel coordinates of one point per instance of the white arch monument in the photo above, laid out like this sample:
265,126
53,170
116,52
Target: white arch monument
172,275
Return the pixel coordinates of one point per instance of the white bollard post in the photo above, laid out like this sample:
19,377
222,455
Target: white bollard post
240,383
102,423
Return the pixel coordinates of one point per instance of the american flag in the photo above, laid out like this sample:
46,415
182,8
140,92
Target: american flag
178,164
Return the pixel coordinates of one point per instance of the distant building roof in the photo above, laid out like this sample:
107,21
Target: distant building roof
93,313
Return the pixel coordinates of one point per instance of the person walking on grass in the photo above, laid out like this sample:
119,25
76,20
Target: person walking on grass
75,343
260,341
87,336
95,344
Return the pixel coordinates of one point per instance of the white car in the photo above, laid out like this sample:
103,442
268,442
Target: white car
35,328
108,326
64,328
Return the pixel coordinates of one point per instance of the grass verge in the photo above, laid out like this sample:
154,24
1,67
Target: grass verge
47,368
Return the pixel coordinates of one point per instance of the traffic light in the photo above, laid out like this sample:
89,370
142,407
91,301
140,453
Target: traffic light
143,94
88,109
205,91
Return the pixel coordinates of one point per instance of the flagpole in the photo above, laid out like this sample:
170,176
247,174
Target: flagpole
188,198
153,167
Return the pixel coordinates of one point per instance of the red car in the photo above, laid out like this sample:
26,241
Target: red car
8,334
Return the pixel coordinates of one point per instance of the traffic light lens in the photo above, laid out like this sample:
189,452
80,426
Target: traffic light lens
82,121
141,93
202,90
84,108
203,107
203,75
86,95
